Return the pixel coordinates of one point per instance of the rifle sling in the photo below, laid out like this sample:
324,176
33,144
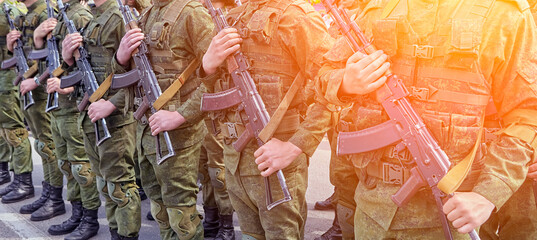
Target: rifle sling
278,115
456,175
101,90
176,85
58,71
31,71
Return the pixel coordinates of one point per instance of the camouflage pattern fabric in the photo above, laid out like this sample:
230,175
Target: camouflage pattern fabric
212,169
112,161
496,182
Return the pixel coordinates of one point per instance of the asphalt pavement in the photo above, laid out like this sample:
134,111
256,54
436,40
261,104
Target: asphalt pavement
14,225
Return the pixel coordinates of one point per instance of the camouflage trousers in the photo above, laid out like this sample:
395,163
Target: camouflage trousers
345,180
39,123
14,144
171,187
73,161
113,164
246,190
212,175
516,219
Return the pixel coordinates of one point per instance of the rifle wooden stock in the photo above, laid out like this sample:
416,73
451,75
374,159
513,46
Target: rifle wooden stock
220,100
84,103
32,71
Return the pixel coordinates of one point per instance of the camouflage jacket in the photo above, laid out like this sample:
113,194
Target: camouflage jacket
505,54
6,76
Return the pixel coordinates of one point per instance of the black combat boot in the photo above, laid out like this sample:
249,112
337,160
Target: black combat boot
149,216
328,204
88,227
71,223
10,187
211,222
114,235
32,207
4,173
333,233
226,231
54,206
23,190
141,191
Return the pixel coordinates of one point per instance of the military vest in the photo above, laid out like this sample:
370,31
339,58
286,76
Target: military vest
6,76
271,67
30,22
442,75
167,65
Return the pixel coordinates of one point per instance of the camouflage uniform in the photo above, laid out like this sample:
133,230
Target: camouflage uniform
463,65
517,219
72,158
15,144
277,52
112,161
177,32
37,119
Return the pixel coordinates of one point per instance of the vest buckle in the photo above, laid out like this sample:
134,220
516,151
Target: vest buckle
426,52
232,130
392,173
421,94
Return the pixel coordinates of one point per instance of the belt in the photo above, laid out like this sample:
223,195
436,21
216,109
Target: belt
289,124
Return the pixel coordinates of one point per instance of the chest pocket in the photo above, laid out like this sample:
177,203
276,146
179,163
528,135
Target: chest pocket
465,41
158,36
262,25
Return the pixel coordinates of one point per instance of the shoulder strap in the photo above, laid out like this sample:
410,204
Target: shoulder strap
174,10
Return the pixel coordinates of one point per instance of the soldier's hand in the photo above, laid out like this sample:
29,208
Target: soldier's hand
100,109
27,85
42,30
163,120
225,43
53,85
11,38
275,155
70,43
132,39
364,73
467,211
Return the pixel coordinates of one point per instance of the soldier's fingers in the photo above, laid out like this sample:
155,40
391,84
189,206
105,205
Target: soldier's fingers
377,84
378,72
268,172
365,62
533,175
134,46
459,222
454,215
156,131
449,206
377,63
232,43
466,228
259,152
231,50
263,166
231,36
533,167
357,56
227,31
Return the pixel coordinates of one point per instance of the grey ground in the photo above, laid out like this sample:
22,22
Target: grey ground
18,226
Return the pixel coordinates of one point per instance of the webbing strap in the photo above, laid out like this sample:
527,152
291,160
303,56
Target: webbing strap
176,85
278,115
389,8
101,90
455,177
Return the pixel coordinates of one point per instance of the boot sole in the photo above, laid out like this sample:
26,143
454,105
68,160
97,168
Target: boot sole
56,233
54,214
18,200
27,212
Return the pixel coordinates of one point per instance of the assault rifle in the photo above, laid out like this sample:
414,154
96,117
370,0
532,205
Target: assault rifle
19,60
145,80
84,77
405,127
245,96
52,55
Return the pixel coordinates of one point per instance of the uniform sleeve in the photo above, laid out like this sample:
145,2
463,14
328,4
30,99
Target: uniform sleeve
112,43
303,32
508,60
199,28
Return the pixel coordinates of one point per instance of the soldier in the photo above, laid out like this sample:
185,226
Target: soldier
72,159
475,50
50,203
112,161
15,147
285,38
178,33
